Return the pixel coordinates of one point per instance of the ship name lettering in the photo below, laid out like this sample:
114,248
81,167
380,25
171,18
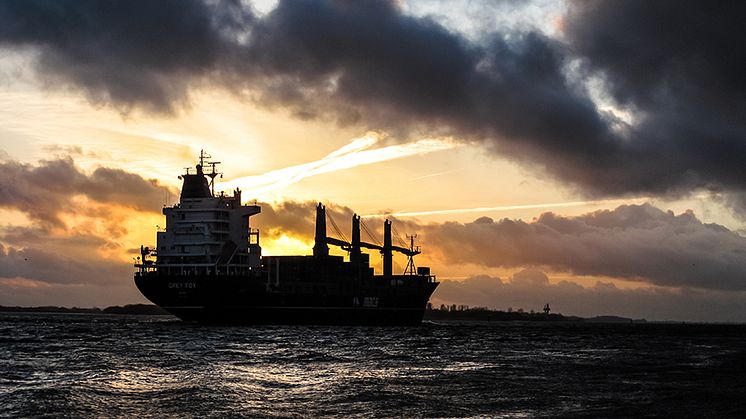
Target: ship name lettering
366,302
182,285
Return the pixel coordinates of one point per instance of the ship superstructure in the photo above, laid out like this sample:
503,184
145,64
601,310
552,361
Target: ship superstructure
208,267
205,233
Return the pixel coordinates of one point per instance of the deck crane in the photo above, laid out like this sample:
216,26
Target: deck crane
355,245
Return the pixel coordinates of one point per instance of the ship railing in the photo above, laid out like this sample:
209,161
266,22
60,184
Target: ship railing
198,269
145,268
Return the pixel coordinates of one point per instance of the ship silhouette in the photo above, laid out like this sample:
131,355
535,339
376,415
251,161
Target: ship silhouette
208,267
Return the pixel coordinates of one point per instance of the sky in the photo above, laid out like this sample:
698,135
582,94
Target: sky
588,154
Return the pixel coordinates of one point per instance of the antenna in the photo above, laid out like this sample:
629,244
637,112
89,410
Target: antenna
411,269
202,157
213,173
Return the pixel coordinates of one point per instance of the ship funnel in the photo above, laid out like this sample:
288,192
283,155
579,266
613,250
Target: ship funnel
355,255
320,248
387,250
195,186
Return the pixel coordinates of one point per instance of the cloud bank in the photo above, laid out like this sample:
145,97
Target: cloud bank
46,190
72,248
675,66
638,242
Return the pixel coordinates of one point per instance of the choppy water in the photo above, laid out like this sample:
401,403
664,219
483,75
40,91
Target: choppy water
98,365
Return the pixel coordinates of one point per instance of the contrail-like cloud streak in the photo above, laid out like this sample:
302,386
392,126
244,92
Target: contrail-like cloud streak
358,152
636,201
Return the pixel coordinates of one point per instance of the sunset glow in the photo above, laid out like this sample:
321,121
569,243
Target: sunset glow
510,143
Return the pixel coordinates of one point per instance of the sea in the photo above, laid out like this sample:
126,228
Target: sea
96,365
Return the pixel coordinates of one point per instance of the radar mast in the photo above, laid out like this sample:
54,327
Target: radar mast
213,173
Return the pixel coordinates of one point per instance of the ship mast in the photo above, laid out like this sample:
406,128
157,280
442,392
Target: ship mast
411,269
203,159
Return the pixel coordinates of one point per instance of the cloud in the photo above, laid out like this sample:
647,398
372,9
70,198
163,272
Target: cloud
63,263
521,93
674,66
638,242
298,218
47,189
133,53
72,251
678,67
359,152
290,217
370,63
508,207
84,268
603,298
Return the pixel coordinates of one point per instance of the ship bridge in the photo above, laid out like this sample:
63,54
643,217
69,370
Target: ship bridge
205,233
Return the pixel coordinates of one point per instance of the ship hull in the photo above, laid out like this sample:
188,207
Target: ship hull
248,300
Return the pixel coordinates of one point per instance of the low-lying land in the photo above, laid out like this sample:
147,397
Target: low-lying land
145,309
460,314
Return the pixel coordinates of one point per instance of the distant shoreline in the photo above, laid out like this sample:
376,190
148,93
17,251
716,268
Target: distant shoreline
466,315
486,315
471,314
142,309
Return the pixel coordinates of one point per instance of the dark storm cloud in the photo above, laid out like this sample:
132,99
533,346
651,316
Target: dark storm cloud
368,62
517,93
676,65
129,53
637,242
680,66
665,52
357,62
46,190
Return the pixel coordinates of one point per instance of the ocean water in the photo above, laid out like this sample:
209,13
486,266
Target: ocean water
61,365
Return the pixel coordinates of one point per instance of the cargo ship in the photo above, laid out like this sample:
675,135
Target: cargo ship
207,266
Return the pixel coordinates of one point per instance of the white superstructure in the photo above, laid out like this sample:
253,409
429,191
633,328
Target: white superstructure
206,233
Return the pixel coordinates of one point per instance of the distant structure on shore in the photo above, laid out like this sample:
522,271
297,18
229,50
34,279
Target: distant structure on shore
464,312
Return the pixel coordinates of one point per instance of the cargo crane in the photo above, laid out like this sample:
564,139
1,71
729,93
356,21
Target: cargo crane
355,245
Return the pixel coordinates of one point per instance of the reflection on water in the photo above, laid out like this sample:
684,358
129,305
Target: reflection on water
97,365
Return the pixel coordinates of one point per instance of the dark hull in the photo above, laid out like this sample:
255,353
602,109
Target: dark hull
248,300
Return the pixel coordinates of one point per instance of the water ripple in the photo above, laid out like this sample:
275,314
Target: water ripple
127,366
